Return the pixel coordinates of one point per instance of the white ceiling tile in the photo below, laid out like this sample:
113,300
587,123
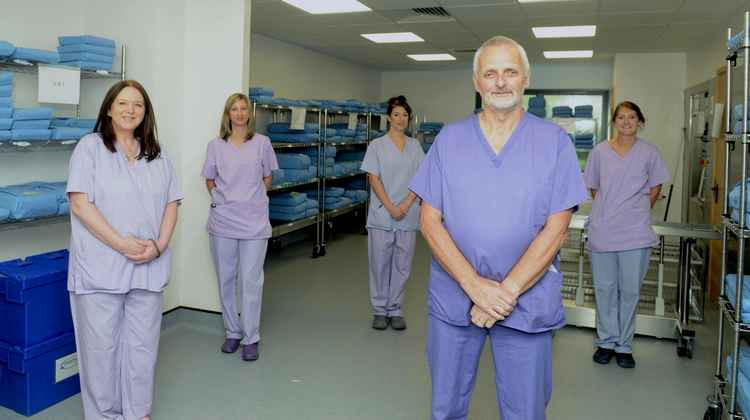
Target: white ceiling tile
635,18
563,21
630,6
702,9
563,8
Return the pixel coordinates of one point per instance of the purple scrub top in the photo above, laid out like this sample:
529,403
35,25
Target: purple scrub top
239,208
132,198
395,169
494,205
620,217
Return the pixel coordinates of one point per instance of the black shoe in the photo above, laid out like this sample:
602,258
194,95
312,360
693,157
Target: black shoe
380,322
603,356
398,323
625,360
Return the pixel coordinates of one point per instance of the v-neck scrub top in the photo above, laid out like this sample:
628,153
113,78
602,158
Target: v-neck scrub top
239,207
132,198
620,217
395,168
494,205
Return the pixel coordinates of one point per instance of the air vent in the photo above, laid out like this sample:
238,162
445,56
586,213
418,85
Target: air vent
418,15
431,11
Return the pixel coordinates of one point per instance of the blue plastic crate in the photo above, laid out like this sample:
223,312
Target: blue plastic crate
39,376
34,301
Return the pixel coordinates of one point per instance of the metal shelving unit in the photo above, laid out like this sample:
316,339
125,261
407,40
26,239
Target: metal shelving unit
723,403
27,146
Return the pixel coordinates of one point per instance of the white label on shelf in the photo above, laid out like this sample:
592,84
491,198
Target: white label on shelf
383,123
59,85
65,367
352,121
299,115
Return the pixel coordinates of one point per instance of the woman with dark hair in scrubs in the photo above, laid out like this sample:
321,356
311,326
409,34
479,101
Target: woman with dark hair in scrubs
393,218
625,175
123,196
238,173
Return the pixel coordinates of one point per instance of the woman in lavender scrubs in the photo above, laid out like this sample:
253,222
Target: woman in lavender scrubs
238,173
123,196
625,175
393,218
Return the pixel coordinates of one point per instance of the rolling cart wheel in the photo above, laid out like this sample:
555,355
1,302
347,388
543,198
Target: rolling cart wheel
684,348
316,251
322,252
712,413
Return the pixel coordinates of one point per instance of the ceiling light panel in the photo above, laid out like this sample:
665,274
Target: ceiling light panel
318,7
583,31
569,54
393,37
431,57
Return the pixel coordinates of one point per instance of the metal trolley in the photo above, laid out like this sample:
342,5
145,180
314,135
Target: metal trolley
723,403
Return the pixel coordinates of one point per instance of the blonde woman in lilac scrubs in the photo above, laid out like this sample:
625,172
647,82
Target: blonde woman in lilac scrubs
238,173
625,175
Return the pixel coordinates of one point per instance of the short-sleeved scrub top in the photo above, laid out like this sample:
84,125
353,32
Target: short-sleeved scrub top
133,199
494,205
239,208
620,217
395,168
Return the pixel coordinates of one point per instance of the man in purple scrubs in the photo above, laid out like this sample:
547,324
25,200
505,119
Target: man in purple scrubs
498,191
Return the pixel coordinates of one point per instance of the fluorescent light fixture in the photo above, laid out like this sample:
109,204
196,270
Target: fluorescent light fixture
584,31
318,7
431,57
569,54
393,37
543,1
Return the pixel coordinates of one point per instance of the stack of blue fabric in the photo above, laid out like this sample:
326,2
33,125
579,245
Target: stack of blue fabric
584,111
278,177
334,198
32,124
71,128
584,141
361,133
357,196
356,184
562,112
734,202
430,127
735,42
87,52
33,55
261,94
33,200
312,207
743,375
737,114
297,167
730,289
538,106
280,132
6,49
6,105
353,105
288,206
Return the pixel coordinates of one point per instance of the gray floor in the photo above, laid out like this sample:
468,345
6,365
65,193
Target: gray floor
320,360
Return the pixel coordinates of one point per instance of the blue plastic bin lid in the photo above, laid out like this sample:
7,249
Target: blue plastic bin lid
38,270
16,357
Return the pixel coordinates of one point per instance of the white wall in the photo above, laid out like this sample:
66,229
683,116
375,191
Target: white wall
656,83
189,55
298,73
448,95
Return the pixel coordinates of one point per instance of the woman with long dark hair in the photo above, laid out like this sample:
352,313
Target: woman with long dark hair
123,195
